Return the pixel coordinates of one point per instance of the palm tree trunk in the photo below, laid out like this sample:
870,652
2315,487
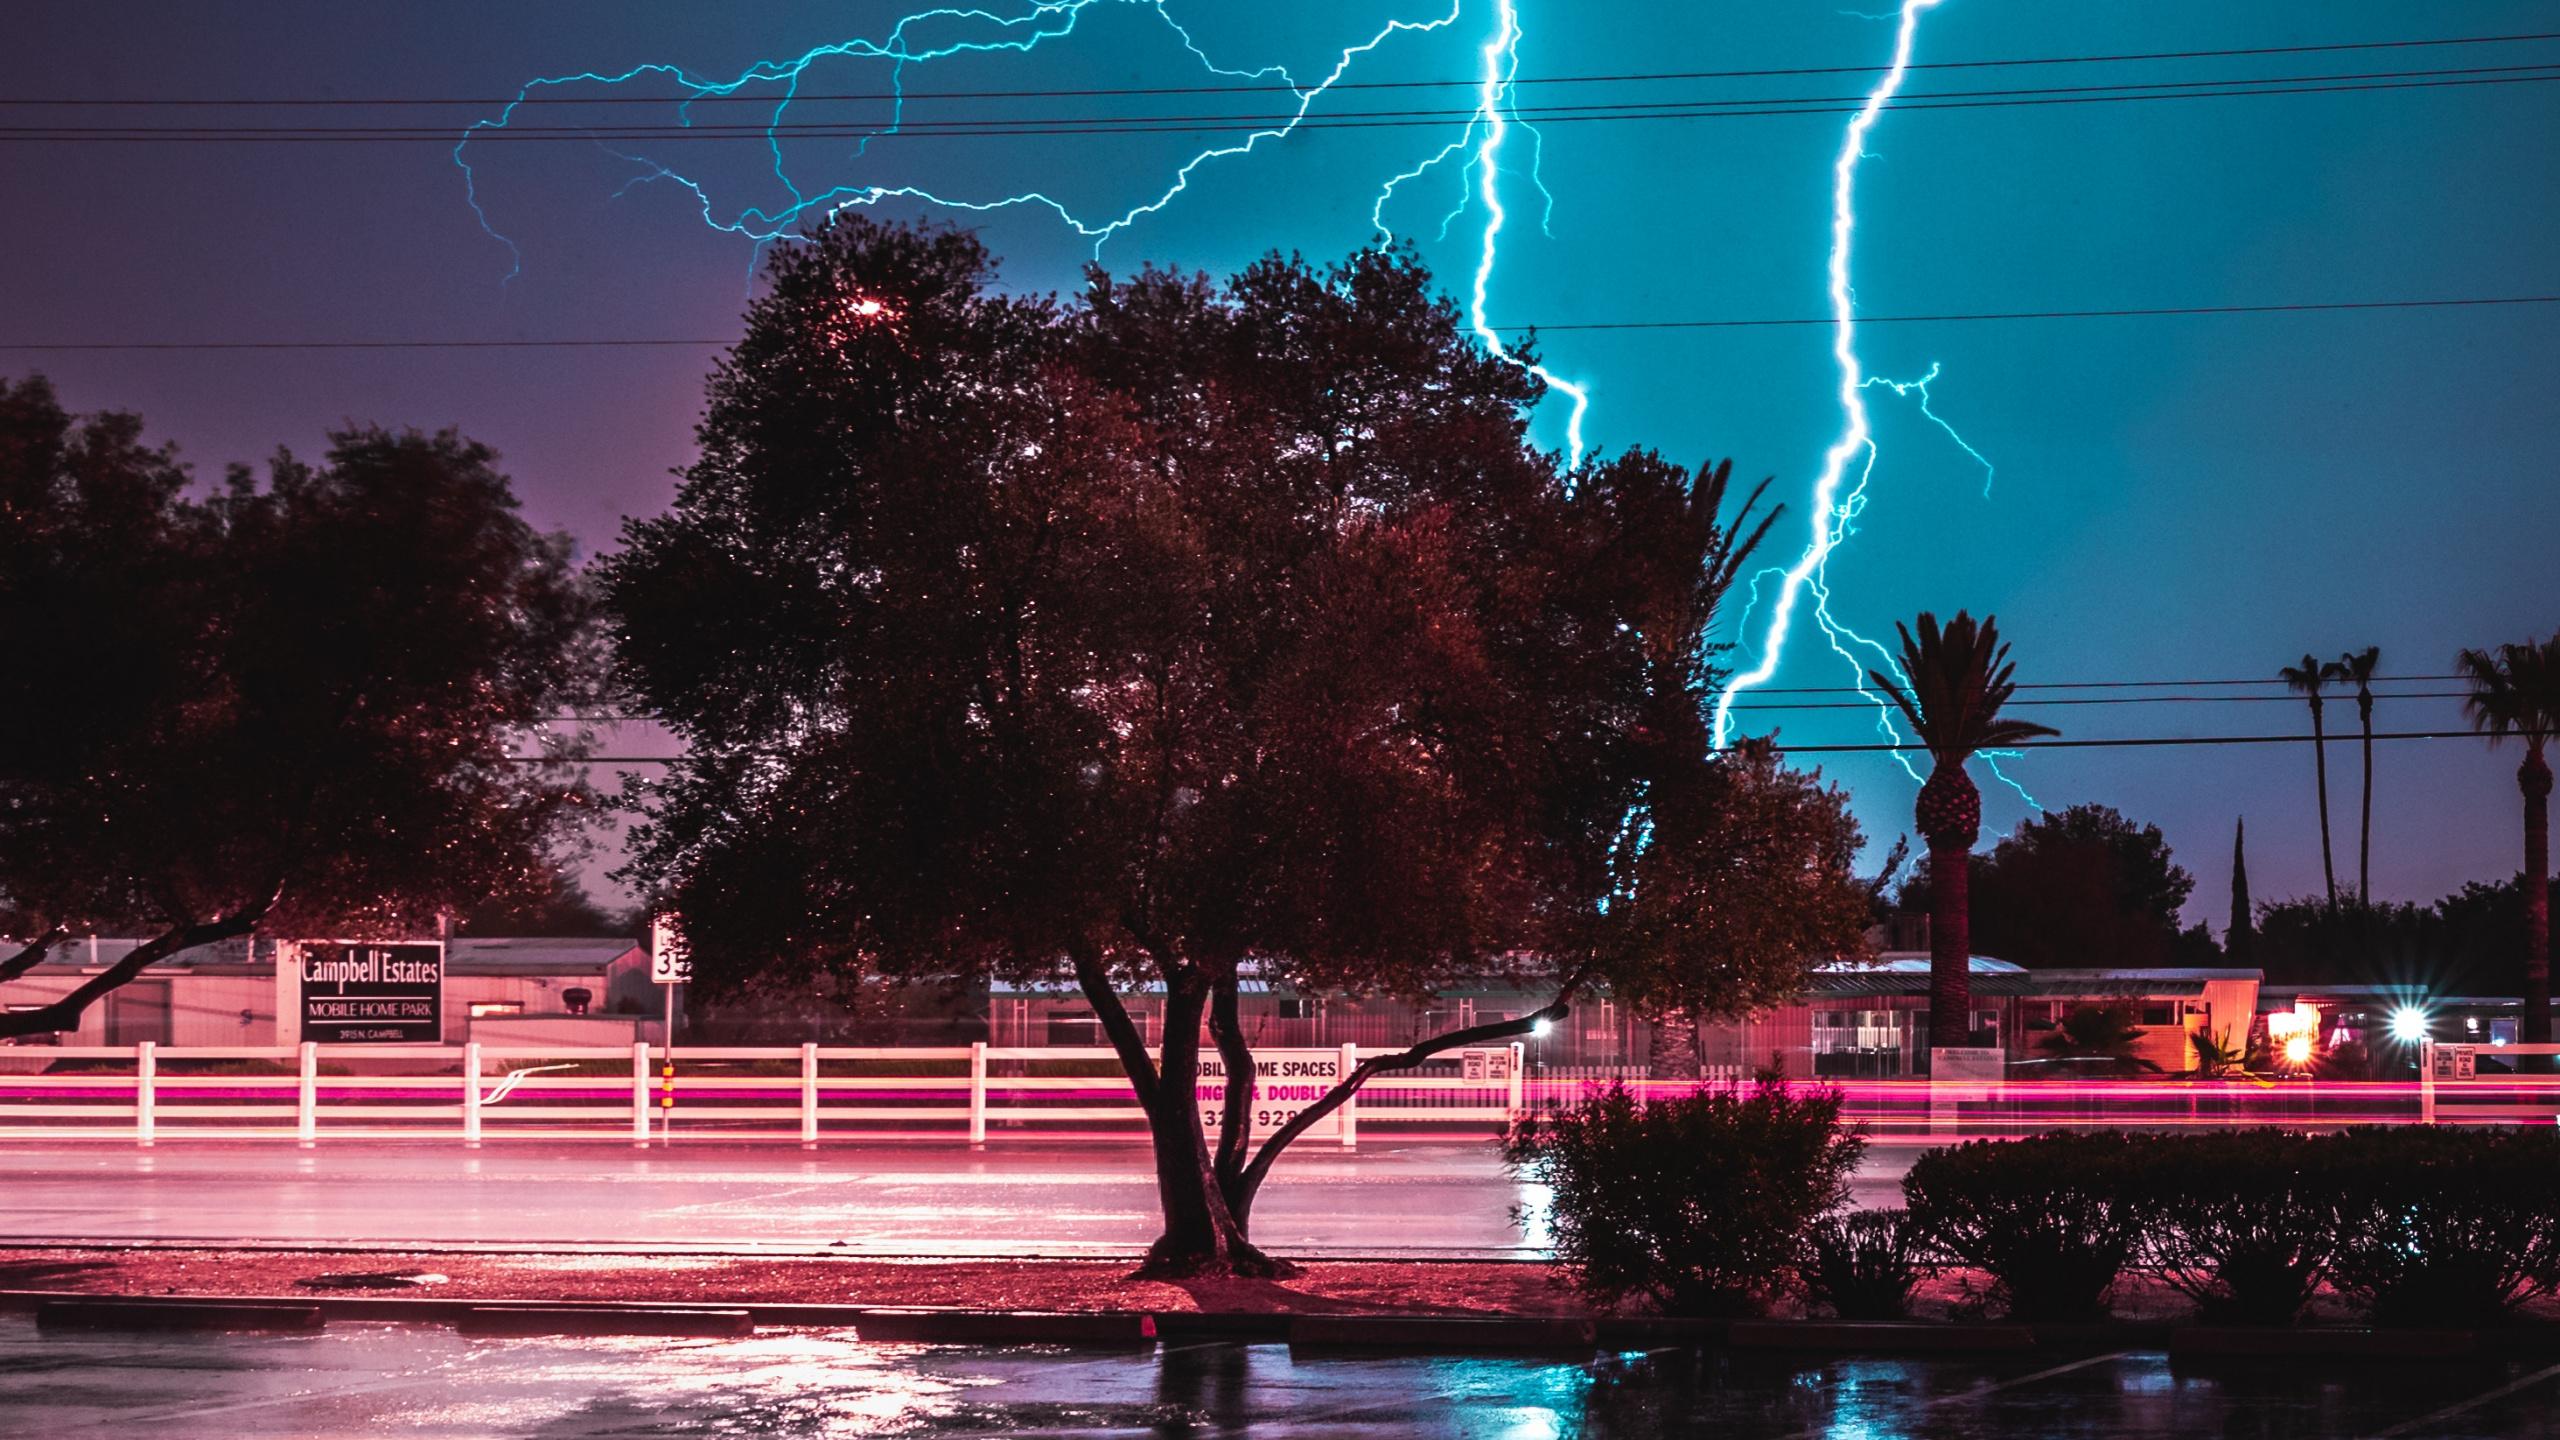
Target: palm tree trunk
2364,845
1950,944
2320,765
2534,778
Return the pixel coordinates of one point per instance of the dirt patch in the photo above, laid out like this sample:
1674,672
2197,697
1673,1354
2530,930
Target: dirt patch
1324,1288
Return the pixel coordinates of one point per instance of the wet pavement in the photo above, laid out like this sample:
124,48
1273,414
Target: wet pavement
431,1383
1421,1200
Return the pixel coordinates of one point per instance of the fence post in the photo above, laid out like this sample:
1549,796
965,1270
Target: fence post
471,1094
1350,1111
809,1096
146,1096
306,1110
640,1094
1519,1077
2427,1082
977,1094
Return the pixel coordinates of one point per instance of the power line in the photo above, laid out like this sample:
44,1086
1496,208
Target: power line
701,97
2127,700
1289,121
2306,307
2144,742
2350,737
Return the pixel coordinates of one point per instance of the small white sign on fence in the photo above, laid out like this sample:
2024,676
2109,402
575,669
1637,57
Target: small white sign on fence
670,963
1284,1083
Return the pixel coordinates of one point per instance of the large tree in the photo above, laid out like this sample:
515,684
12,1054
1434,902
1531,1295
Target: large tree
1160,635
2515,694
2079,886
1951,687
296,707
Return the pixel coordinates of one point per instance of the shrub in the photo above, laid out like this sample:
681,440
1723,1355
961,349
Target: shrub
1864,1265
2243,1222
2051,1218
1699,1203
2444,1227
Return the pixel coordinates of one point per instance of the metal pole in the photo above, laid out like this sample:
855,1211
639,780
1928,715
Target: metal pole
471,1095
1350,1111
977,1094
2427,1081
640,1094
1519,1076
667,1077
809,1096
306,1117
146,1096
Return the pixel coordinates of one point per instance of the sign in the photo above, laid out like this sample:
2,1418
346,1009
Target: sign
1967,1064
355,993
2457,1062
1284,1083
670,963
1485,1067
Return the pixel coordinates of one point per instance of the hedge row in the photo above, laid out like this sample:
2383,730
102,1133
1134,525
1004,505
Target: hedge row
1721,1204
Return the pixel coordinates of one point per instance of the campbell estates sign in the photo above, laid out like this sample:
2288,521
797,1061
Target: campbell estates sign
382,994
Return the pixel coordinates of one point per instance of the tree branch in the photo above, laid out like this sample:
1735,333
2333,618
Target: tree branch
1235,1130
31,957
1555,1010
64,1014
1116,1024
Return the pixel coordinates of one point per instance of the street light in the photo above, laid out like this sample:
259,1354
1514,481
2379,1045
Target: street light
2408,1024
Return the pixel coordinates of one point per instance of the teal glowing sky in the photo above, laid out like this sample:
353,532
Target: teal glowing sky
2175,497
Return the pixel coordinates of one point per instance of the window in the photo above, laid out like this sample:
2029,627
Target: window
1074,1028
2160,1014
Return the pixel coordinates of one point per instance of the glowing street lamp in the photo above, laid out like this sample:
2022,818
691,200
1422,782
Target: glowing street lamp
2408,1024
2295,1032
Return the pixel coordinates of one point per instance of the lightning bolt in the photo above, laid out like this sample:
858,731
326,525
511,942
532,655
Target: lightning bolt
1833,516
1046,21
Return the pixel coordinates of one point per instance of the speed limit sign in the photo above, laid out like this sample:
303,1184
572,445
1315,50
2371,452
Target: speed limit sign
669,962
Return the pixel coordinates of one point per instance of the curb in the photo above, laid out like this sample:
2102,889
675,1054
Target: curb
1006,1327
2205,1342
137,1314
1906,1336
1440,1333
520,1321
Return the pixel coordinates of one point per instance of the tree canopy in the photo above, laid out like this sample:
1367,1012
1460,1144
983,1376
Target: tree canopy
1171,630
2082,886
293,706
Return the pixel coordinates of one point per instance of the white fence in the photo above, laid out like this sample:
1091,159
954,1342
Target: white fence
814,1093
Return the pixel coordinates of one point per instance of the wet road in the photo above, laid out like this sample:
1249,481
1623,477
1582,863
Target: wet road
431,1383
1415,1199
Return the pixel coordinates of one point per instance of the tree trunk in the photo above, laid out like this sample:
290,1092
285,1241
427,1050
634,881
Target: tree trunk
2364,839
1671,1048
2534,778
1201,1236
2320,768
1950,943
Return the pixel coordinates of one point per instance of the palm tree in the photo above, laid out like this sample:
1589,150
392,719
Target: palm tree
1958,680
2307,680
2515,692
2358,667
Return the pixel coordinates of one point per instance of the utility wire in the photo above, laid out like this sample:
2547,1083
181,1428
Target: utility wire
648,343
1289,121
709,95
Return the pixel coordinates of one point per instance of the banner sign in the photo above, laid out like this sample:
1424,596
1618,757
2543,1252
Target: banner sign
355,993
1284,1083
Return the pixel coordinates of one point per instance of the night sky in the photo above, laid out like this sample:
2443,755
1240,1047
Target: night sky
2175,497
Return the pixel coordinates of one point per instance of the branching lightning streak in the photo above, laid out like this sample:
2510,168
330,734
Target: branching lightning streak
1501,61
1832,516
1905,387
765,226
1047,20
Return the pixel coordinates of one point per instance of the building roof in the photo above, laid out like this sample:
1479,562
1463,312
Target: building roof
536,955
2010,982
